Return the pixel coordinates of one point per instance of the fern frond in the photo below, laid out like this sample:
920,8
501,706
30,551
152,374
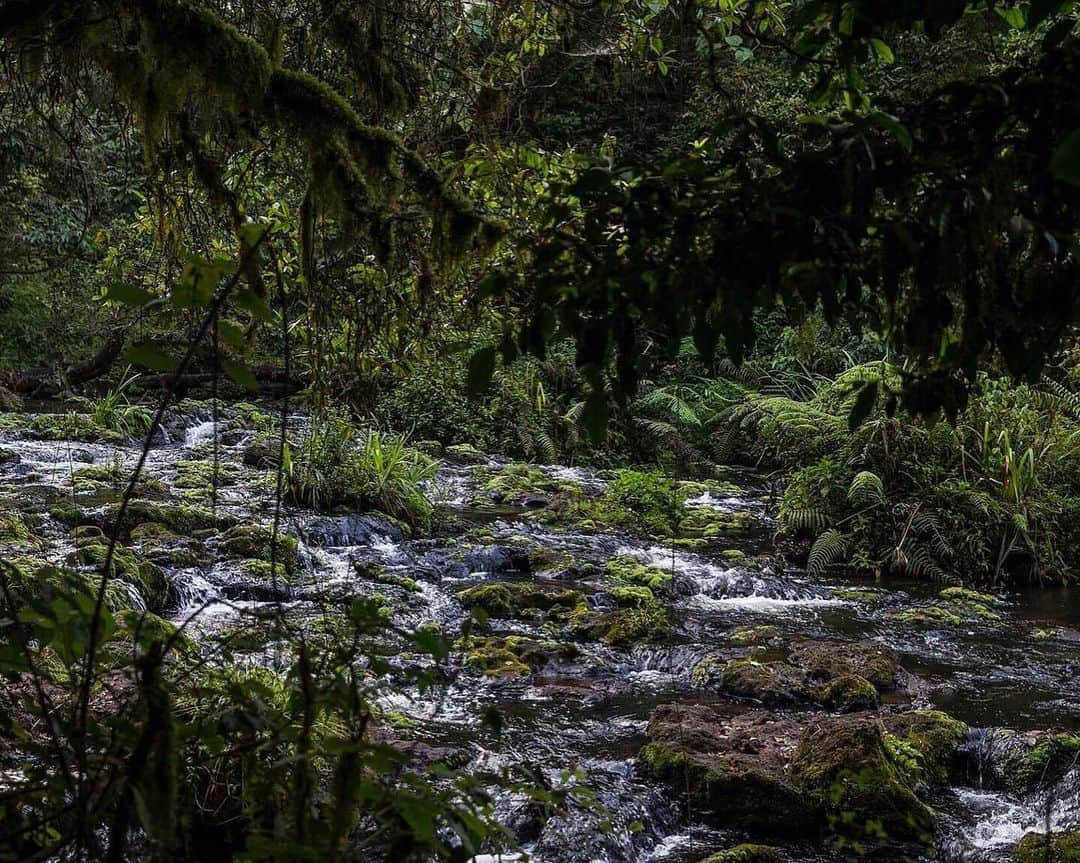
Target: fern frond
827,549
866,490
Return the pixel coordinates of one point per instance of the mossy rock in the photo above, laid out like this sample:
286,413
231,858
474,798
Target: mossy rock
464,453
1053,848
624,627
256,542
1044,764
70,426
632,596
848,693
512,655
746,853
27,579
153,585
261,452
629,571
934,737
197,478
847,762
181,519
824,660
732,769
769,682
517,599
16,534
756,636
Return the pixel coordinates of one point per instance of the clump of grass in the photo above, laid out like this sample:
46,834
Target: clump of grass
336,466
115,412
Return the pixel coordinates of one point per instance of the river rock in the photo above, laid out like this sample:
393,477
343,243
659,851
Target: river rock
1053,848
856,777
342,530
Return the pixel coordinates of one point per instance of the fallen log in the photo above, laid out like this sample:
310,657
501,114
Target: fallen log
54,380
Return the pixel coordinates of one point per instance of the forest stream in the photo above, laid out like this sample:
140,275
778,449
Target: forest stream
1004,665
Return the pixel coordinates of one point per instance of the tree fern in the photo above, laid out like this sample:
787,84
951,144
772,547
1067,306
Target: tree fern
827,549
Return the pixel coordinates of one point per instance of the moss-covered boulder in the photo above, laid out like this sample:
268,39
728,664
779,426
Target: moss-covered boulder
640,623
858,778
843,676
519,599
512,655
825,660
626,570
849,693
846,762
149,579
256,542
763,635
772,682
733,768
160,545
463,453
1052,848
955,606
181,519
1042,762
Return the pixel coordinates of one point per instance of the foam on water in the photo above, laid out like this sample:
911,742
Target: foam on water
200,433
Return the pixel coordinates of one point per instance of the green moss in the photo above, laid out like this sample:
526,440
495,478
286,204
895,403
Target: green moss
1046,763
746,853
464,453
632,595
934,737
849,765
1055,848
931,615
849,692
513,599
181,519
14,533
628,571
196,478
858,594
259,543
71,426
624,627
512,655
148,578
753,636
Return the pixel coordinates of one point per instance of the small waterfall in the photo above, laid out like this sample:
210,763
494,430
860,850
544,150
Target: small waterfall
200,433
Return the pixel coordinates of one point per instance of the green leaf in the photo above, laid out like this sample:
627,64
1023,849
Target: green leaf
231,333
897,129
253,304
198,281
882,50
481,368
150,356
129,295
1065,163
241,374
864,403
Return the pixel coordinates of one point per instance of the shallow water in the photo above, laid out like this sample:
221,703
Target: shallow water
590,713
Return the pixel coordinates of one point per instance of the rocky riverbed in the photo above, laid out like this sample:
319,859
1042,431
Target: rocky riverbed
712,698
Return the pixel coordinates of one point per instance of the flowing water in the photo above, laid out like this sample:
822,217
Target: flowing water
588,711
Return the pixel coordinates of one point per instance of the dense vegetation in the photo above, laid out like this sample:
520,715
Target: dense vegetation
836,242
